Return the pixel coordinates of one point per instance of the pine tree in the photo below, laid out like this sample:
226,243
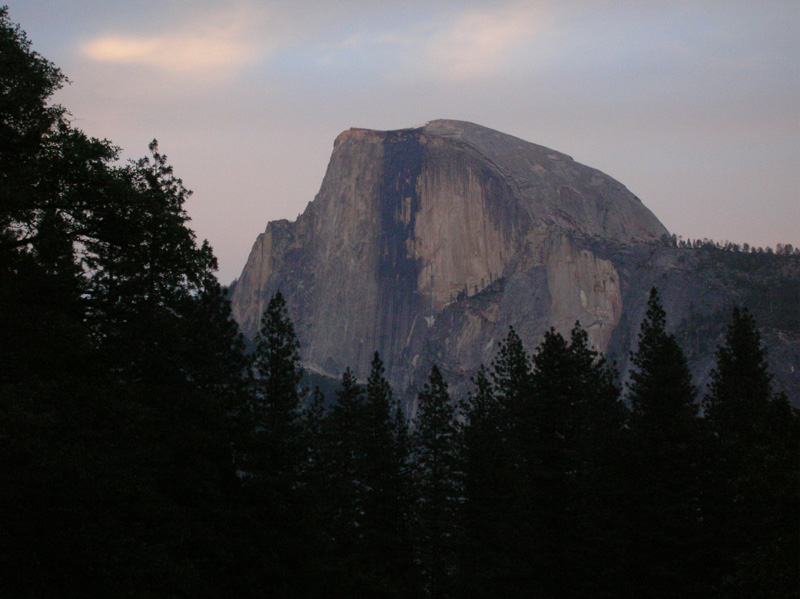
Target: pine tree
754,475
386,519
437,485
660,391
143,267
275,455
578,422
664,518
345,433
740,388
366,551
547,444
277,364
270,518
275,409
511,370
485,559
495,556
540,485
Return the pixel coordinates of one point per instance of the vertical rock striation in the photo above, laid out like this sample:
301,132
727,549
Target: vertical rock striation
583,288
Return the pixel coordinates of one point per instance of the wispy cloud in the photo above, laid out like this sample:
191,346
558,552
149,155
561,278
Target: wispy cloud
480,42
208,47
449,46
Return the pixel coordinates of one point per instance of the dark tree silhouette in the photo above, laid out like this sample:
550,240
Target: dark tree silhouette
575,434
120,363
437,484
663,491
753,483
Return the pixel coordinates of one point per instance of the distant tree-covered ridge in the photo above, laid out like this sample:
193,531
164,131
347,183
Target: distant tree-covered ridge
677,241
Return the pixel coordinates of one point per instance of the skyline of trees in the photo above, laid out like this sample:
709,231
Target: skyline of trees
548,478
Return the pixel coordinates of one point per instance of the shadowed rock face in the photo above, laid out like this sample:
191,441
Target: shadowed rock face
409,222
427,244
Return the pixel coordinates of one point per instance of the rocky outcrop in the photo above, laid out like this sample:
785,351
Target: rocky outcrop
427,244
409,222
583,288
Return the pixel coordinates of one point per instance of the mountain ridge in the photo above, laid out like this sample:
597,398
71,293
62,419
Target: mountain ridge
410,223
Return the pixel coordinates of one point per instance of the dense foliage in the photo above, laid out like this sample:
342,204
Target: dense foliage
120,363
144,453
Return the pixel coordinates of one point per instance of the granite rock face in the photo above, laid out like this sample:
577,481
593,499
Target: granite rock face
409,222
427,244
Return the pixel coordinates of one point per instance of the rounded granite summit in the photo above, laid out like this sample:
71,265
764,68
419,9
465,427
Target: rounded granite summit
553,189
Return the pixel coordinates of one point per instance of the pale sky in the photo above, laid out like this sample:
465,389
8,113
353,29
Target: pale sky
692,105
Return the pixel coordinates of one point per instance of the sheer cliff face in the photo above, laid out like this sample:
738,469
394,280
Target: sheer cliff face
411,226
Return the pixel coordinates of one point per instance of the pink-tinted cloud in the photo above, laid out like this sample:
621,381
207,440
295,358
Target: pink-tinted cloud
211,45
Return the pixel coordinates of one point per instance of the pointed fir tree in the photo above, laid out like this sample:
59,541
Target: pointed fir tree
545,437
600,412
276,455
485,561
660,391
277,365
368,550
496,549
270,515
578,419
511,370
437,484
385,441
381,410
740,388
346,436
386,517
663,474
753,481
